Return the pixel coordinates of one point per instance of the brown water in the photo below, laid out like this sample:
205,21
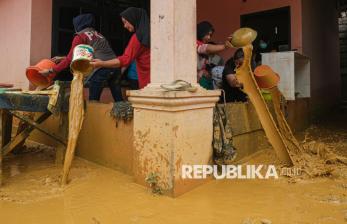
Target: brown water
314,159
245,75
32,194
76,116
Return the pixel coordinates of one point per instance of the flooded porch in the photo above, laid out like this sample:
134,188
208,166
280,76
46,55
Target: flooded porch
100,195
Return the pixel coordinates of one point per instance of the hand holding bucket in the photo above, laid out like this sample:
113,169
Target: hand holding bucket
241,37
82,56
36,78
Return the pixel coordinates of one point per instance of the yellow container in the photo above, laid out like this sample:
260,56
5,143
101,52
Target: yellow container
243,37
82,56
266,95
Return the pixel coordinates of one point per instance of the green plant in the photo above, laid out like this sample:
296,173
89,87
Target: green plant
152,180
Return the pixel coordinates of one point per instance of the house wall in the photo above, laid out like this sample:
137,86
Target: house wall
321,44
100,140
225,16
15,23
26,37
104,141
41,30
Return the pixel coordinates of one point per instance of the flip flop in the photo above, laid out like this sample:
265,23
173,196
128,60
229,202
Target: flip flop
179,85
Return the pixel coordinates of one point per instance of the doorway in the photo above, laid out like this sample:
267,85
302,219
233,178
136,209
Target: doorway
342,4
107,18
273,26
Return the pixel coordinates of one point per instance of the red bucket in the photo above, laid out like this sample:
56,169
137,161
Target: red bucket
38,79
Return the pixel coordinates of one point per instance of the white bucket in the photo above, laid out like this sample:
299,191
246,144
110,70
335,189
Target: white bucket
82,55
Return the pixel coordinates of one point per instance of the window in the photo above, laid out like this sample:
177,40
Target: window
272,25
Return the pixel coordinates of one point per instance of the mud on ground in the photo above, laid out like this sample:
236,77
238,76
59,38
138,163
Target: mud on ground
32,193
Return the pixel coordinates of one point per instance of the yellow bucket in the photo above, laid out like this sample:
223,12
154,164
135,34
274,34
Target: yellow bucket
82,56
243,37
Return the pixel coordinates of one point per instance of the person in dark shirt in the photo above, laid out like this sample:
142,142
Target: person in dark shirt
231,86
84,25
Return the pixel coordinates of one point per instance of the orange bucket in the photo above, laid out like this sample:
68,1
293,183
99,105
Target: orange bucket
36,78
266,77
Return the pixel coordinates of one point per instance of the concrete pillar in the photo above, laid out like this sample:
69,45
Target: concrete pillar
173,41
172,129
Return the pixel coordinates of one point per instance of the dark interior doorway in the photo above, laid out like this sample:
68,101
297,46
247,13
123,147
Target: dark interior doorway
107,17
272,25
342,5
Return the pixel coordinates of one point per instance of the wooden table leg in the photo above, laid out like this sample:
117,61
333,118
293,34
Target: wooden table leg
64,129
23,135
6,127
38,127
21,127
6,131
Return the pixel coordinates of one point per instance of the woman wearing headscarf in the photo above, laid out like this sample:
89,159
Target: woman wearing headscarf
205,49
205,32
135,20
86,34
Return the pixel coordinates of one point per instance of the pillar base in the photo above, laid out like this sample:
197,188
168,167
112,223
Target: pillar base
171,129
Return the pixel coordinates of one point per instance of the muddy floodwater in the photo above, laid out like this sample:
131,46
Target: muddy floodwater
32,194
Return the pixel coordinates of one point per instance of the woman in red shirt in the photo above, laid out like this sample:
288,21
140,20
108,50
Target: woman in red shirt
135,20
205,50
